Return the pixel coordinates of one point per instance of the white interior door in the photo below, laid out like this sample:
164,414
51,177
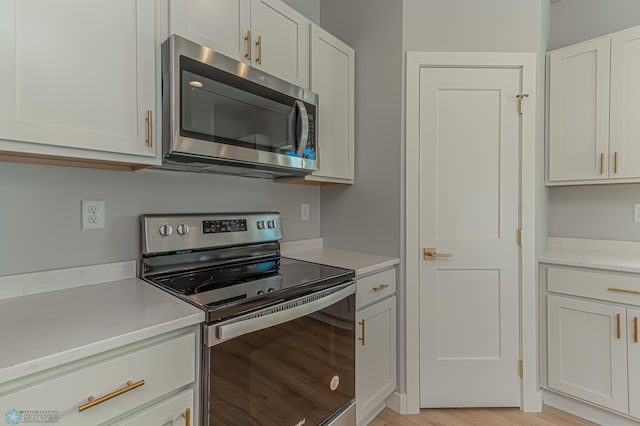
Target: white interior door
469,179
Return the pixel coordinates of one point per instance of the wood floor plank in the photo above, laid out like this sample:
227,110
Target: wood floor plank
478,417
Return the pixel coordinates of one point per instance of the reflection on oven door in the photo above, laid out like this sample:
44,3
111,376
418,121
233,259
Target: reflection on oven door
302,370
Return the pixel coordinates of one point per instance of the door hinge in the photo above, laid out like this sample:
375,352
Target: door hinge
519,236
520,99
521,368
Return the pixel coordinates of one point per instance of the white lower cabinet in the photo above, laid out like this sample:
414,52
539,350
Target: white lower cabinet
113,385
375,343
176,411
588,351
593,352
633,342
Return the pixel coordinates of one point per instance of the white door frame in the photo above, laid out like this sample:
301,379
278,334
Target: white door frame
531,399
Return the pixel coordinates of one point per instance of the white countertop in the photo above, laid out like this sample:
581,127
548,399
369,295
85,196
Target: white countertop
362,263
601,254
42,331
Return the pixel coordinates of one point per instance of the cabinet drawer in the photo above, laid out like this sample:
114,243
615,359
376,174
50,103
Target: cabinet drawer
163,367
597,285
172,411
375,287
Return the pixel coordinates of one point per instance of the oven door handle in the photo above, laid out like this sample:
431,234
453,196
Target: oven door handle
278,314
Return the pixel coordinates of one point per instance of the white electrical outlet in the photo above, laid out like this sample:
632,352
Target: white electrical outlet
304,211
636,212
92,214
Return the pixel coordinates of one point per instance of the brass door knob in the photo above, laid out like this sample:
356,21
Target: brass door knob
431,254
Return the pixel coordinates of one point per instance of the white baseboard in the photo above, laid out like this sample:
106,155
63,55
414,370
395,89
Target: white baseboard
397,402
586,411
372,415
62,279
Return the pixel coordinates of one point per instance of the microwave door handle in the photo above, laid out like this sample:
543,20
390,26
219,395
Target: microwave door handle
302,128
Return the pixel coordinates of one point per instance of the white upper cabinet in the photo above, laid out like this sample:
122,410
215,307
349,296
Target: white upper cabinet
78,78
625,104
594,101
221,25
579,112
280,40
267,34
332,73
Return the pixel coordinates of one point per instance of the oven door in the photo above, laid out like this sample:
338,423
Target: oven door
291,364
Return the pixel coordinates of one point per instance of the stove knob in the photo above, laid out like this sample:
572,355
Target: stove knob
271,224
269,290
261,224
166,230
183,229
260,292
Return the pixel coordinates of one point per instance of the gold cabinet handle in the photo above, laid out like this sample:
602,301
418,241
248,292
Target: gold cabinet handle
247,38
623,290
431,254
361,323
93,402
615,162
635,329
149,128
602,163
380,287
259,44
187,417
618,325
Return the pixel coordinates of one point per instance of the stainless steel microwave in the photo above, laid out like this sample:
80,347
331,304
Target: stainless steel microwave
220,115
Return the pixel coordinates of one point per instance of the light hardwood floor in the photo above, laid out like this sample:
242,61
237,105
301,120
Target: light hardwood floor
478,417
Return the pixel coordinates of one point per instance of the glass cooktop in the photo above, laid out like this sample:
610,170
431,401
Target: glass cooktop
232,290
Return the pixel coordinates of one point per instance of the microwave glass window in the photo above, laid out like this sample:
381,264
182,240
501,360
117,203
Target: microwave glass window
220,113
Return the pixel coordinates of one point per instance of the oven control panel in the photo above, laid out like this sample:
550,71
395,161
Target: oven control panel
165,233
229,225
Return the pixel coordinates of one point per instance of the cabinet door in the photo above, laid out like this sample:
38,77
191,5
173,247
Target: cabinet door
579,112
332,78
130,380
625,105
375,355
587,351
176,411
78,74
221,25
633,319
280,40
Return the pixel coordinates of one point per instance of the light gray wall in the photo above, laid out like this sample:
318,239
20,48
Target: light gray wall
573,21
366,216
40,210
471,25
601,212
40,205
308,8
